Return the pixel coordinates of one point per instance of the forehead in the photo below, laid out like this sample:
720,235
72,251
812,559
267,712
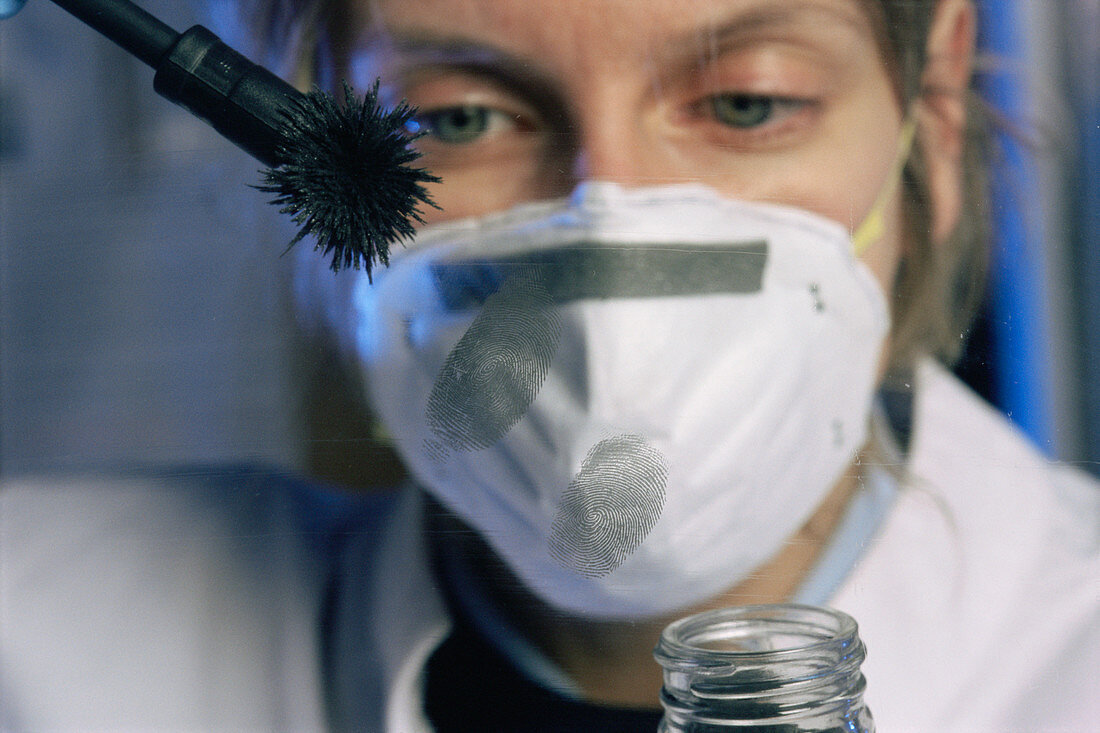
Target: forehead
604,30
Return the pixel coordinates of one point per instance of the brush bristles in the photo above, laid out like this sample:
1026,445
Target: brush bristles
345,176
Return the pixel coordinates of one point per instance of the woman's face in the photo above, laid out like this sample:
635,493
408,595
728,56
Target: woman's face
784,101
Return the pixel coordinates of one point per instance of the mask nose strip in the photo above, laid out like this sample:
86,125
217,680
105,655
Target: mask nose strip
610,506
594,194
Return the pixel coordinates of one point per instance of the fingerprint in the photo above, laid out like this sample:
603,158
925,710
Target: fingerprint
610,506
498,366
435,450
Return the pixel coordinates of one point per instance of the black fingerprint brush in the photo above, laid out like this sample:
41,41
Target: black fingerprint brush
343,171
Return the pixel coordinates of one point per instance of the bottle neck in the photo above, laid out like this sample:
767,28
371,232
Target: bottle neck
783,667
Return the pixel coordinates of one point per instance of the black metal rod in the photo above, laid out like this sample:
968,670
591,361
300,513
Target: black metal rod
243,101
140,33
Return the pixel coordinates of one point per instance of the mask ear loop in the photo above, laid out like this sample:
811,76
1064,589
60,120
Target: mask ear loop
874,225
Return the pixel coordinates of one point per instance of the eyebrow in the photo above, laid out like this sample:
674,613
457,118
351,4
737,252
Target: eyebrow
725,34
424,48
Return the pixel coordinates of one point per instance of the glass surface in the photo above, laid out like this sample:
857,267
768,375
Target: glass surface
784,667
146,319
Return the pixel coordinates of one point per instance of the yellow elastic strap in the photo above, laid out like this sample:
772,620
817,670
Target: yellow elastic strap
874,226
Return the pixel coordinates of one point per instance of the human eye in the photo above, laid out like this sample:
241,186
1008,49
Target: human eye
746,111
461,124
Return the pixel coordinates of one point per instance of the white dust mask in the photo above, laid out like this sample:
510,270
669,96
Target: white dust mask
634,395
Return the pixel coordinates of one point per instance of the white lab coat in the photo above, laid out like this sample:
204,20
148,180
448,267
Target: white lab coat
207,603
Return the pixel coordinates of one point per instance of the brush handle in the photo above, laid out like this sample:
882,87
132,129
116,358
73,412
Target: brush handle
126,24
243,101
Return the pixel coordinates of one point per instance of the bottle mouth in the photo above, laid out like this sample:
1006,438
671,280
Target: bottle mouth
757,663
736,643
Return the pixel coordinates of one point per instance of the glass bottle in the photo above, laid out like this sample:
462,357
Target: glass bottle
783,668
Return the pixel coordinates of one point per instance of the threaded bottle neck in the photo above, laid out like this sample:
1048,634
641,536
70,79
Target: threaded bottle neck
782,667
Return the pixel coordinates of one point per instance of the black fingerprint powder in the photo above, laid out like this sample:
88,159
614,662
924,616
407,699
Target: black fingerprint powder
610,506
496,369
